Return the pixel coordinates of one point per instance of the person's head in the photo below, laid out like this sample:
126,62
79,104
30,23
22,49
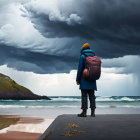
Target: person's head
86,45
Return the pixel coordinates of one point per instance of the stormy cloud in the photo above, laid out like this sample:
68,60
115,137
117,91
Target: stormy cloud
111,20
46,36
23,60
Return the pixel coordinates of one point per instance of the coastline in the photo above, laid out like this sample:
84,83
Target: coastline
53,112
29,128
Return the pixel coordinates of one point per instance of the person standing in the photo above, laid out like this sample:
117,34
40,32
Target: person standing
87,87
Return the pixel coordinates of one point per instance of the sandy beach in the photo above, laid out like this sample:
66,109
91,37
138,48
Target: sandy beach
22,128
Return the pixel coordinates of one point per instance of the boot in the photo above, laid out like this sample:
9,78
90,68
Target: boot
93,112
83,113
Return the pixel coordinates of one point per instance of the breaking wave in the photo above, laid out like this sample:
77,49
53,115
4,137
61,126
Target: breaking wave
72,101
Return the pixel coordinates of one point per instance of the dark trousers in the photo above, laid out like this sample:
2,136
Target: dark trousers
84,98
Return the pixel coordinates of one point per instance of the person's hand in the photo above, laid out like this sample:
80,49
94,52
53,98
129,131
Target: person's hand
77,83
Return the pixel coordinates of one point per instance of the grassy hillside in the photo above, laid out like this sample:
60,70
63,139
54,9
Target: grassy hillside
9,89
9,85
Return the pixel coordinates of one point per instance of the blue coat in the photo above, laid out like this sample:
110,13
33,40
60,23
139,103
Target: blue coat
84,84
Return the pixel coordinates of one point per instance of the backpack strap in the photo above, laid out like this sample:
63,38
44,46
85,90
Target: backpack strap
83,54
86,55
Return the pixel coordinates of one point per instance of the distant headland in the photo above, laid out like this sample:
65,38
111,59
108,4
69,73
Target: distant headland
9,89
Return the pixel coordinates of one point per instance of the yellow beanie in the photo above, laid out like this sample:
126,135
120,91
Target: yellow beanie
85,45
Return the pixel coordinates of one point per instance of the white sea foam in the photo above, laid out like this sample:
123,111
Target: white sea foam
106,99
70,99
128,99
32,128
29,127
18,106
4,130
66,102
12,106
65,99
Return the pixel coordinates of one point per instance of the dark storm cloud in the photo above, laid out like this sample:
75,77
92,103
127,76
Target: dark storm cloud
113,26
114,21
22,59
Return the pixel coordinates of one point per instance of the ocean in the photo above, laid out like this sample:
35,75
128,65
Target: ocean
73,101
69,105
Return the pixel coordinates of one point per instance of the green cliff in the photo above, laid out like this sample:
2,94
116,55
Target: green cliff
9,89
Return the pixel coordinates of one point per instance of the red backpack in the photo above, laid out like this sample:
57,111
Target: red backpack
92,69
